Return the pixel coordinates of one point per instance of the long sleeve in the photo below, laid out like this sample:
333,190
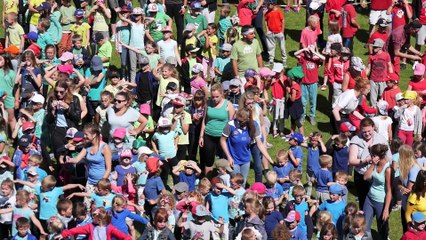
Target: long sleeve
136,217
86,230
418,122
114,232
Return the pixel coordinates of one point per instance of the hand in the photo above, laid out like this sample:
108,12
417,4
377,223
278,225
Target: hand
220,185
70,196
129,177
255,11
385,215
58,237
133,132
177,117
54,103
203,3
201,142
81,187
51,168
185,215
231,162
95,7
221,221
65,105
181,11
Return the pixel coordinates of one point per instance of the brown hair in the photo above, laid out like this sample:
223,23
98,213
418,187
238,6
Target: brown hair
367,122
68,94
326,228
238,178
361,84
101,216
22,222
246,114
325,160
63,205
333,27
79,209
280,232
104,184
161,216
255,206
341,139
342,174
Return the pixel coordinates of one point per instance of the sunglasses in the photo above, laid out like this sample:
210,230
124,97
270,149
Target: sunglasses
119,101
60,92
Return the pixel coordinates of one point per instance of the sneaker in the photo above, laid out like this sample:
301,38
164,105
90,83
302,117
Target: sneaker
403,65
270,63
313,122
396,208
323,87
113,38
268,145
287,9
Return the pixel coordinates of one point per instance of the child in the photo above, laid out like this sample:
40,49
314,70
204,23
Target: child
349,24
199,226
197,110
107,99
357,228
235,207
22,154
80,28
300,205
342,178
23,227
278,91
272,216
295,152
159,227
383,122
81,218
389,94
350,210
337,68
394,146
165,78
223,169
196,18
120,216
141,170
381,32
328,232
118,143
222,65
294,106
68,18
417,227
323,177
235,93
154,185
323,218
275,24
34,167
254,215
167,47
44,37
209,54
96,80
197,81
409,116
102,197
292,220
14,32
123,40
283,168
116,85
65,209
125,166
340,153
273,189
224,23
55,226
316,147
157,21
189,174
379,65
334,205
334,37
101,226
8,202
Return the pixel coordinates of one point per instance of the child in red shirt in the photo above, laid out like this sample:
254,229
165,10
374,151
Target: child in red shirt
245,14
349,24
391,90
275,24
381,33
337,69
278,92
294,107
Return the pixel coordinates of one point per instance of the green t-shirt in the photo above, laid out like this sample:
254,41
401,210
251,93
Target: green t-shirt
199,21
39,116
245,55
105,51
6,84
157,25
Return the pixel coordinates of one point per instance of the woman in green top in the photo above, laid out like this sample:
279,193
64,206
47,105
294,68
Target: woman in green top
219,112
7,76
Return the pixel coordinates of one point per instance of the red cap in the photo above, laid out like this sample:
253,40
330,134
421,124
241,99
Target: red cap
153,164
27,125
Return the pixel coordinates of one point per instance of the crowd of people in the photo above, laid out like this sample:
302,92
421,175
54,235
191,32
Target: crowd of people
161,146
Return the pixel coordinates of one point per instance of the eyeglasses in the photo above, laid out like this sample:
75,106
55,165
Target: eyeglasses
119,101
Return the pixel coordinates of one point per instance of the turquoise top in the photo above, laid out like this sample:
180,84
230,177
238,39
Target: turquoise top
95,90
216,120
377,191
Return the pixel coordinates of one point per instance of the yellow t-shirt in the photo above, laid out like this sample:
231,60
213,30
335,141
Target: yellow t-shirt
35,17
162,88
100,21
418,205
15,33
183,138
211,52
81,30
10,6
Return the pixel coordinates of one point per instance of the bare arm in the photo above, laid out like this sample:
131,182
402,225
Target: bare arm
106,151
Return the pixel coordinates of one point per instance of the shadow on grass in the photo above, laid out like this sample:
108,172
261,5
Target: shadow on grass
362,35
294,34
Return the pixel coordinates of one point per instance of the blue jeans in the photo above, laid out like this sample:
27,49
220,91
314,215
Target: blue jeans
257,160
372,208
243,169
348,42
309,92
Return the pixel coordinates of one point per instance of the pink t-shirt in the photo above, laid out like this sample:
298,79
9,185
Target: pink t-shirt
197,84
308,37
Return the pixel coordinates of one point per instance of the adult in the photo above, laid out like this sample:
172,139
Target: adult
209,10
399,44
244,51
7,83
249,101
237,137
63,112
379,9
219,112
122,115
257,7
348,102
98,157
419,14
418,83
417,199
360,158
380,193
408,171
175,9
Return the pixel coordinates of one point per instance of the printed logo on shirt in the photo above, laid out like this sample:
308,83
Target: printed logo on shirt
247,49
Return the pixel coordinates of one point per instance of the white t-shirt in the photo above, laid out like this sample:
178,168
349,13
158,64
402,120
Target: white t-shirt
407,119
382,124
347,101
125,121
333,38
204,230
167,49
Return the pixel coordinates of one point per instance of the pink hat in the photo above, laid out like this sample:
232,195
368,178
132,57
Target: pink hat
419,69
145,109
258,187
266,72
119,133
66,56
126,153
68,69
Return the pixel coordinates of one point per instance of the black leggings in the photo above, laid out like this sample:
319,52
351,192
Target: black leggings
166,169
362,188
209,151
172,10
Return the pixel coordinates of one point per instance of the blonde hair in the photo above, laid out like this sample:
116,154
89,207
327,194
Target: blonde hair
342,174
204,183
271,176
312,19
282,154
22,196
48,182
104,184
325,160
255,206
35,158
119,201
55,225
324,217
406,160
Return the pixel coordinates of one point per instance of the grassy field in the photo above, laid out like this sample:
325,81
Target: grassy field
294,23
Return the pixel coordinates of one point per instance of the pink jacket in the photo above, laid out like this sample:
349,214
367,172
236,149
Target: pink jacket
88,231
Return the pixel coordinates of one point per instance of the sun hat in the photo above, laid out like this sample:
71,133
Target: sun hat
418,217
197,68
138,143
144,150
164,122
152,7
153,164
419,69
336,189
226,47
378,42
65,68
357,64
181,187
410,95
235,82
258,187
137,11
266,72
223,163
201,211
12,49
296,73
278,67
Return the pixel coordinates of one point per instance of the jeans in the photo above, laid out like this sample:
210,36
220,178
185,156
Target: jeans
257,22
271,38
243,169
257,160
125,63
362,188
372,208
349,43
309,92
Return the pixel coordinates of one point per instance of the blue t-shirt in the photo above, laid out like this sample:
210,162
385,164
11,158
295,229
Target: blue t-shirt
274,191
48,201
142,172
303,209
122,172
298,153
283,172
166,143
272,220
20,212
118,219
224,66
297,234
395,158
340,159
188,179
40,172
95,90
102,201
313,158
218,205
153,187
336,209
323,177
95,165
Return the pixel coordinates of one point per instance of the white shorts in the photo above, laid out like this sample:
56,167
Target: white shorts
376,15
421,36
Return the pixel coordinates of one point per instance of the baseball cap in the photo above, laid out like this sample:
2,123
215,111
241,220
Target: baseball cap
138,143
382,106
235,82
336,189
71,132
145,109
278,67
357,64
292,216
171,60
32,36
125,9
266,72
258,187
191,48
197,68
195,5
66,68
296,73
143,60
181,187
419,69
78,136
382,22
25,140
298,137
152,7
12,49
32,171
225,85
66,56
153,164
393,77
96,63
144,150
411,95
79,13
45,6
167,29
164,122
250,73
190,27
119,133
378,42
27,125
418,217
37,98
399,97
99,36
347,127
178,102
125,153
137,11
223,163
314,5
201,211
226,47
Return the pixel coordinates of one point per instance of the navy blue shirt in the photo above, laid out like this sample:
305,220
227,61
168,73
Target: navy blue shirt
153,187
271,220
340,159
323,177
188,179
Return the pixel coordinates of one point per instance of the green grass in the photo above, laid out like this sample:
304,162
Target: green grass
294,25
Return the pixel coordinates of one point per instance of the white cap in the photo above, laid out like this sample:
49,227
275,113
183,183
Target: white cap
399,97
152,7
164,122
226,47
225,85
278,67
314,5
144,150
197,68
235,82
37,98
382,106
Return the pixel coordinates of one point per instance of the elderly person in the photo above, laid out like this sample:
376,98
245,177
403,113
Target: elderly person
360,157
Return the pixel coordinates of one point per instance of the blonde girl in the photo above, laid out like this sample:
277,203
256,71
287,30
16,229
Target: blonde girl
324,217
357,229
255,213
54,227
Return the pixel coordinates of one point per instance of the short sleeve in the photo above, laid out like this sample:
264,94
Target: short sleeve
187,118
160,185
226,130
322,206
234,52
412,199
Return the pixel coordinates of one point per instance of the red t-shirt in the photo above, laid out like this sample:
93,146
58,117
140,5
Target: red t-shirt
379,66
389,96
310,68
274,20
308,37
338,70
383,36
419,86
422,16
333,5
296,87
245,14
348,13
380,5
399,16
278,90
